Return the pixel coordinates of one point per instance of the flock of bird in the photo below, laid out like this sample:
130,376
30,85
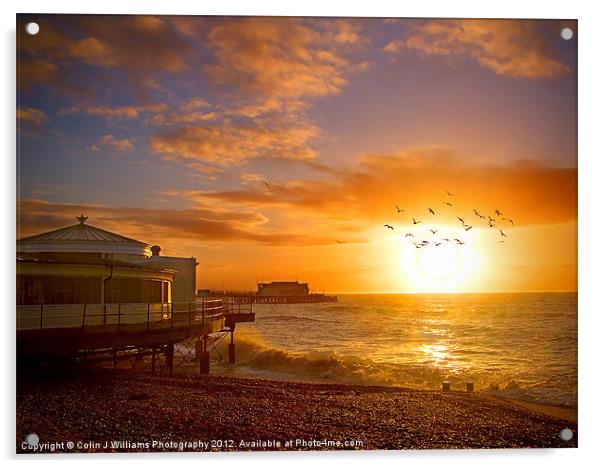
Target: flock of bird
490,221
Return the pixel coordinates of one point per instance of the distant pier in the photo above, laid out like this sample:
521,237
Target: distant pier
238,297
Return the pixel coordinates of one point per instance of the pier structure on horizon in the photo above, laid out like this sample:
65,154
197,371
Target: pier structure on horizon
275,292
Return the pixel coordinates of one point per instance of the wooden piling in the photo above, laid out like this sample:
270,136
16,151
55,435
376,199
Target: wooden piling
470,387
204,362
446,386
169,351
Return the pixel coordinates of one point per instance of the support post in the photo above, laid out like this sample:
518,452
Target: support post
204,358
169,357
153,362
231,349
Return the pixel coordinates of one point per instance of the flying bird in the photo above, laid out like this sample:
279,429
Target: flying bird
415,222
491,224
448,203
437,244
461,219
431,211
449,194
509,220
266,184
502,233
502,241
340,242
467,228
424,242
498,212
418,246
399,210
459,242
434,231
446,240
388,226
476,212
409,234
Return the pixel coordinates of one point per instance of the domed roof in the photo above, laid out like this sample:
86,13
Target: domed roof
83,238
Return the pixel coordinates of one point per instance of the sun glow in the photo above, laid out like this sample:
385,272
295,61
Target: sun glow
447,267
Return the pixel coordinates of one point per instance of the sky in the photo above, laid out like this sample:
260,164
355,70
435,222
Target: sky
278,148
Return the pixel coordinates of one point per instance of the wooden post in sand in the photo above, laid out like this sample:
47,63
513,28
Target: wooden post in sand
446,385
470,387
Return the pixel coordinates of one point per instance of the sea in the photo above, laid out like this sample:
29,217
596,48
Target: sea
514,345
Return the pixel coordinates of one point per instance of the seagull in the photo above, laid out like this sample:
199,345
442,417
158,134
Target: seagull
437,244
266,184
415,222
399,210
459,242
340,242
467,228
448,203
388,226
491,224
498,212
434,231
509,220
502,241
409,234
431,211
502,233
424,242
476,212
446,240
461,219
491,220
449,194
417,245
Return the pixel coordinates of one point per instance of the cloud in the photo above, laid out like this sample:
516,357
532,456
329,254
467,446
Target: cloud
279,63
119,145
123,112
30,116
139,45
233,143
416,179
163,226
515,48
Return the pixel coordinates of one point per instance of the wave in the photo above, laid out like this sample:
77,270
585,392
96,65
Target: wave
257,358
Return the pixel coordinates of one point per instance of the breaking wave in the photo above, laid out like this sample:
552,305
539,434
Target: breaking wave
258,359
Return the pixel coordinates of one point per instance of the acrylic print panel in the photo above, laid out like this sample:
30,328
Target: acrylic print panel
261,233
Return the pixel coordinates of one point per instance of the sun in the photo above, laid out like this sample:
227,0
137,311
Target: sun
447,267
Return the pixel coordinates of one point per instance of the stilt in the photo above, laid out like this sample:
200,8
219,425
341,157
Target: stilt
204,358
153,361
169,357
231,349
198,348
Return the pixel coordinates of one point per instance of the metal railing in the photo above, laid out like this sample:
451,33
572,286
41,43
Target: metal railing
119,315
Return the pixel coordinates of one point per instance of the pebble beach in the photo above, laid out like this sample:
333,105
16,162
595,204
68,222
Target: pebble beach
122,411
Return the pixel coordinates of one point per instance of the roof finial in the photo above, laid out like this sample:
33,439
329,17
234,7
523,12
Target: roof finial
81,218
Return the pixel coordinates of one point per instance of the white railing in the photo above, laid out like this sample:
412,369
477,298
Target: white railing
126,315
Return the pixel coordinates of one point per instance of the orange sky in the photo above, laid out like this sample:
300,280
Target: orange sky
345,120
